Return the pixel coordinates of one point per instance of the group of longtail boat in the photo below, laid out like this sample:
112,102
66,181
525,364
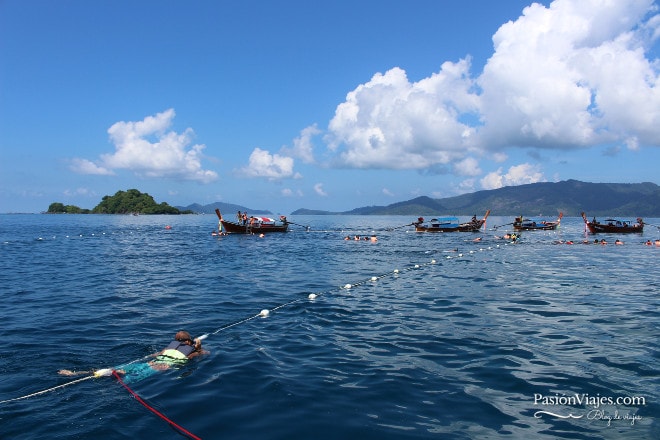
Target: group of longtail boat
261,225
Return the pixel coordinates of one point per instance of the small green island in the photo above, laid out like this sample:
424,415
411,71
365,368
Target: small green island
123,202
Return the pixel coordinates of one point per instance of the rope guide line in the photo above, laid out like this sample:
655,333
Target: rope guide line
105,372
169,421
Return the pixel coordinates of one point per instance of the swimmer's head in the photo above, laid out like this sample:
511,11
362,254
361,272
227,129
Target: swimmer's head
182,336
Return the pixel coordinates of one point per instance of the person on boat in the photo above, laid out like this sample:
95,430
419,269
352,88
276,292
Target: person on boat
244,218
177,353
239,217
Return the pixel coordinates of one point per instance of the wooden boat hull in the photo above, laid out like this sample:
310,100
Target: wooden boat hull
473,226
614,227
530,225
235,228
460,228
256,228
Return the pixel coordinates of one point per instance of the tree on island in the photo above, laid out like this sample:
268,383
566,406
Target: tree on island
123,202
61,208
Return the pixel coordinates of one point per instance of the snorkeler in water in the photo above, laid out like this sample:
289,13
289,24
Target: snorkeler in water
177,353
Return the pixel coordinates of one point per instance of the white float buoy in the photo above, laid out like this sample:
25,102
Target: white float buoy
432,261
103,372
396,270
264,313
312,296
347,286
374,278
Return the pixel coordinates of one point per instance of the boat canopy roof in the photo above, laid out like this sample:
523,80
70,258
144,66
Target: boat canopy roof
445,220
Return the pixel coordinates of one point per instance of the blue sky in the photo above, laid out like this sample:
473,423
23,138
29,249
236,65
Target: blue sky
322,105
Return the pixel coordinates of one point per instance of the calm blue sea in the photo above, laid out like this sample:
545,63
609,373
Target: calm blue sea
452,338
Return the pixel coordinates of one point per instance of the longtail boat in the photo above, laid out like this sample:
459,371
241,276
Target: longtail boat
614,226
521,224
449,224
254,225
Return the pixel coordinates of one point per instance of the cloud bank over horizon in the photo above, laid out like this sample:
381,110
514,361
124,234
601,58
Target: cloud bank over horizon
570,76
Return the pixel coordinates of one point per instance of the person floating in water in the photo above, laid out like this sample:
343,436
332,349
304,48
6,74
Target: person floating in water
176,354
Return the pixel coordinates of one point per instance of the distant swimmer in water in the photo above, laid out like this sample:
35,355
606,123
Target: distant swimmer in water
617,241
176,354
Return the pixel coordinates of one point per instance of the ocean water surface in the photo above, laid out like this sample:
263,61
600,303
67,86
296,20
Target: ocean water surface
415,336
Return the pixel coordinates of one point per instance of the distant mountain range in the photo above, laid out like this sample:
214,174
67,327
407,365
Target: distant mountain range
547,199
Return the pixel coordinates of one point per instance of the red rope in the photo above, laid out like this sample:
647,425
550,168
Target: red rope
153,410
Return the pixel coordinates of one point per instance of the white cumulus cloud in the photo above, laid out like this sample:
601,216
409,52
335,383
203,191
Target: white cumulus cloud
303,148
390,122
150,149
573,75
271,166
467,167
318,189
84,166
517,175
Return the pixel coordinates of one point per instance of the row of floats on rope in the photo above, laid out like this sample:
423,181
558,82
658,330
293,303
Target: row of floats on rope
264,313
